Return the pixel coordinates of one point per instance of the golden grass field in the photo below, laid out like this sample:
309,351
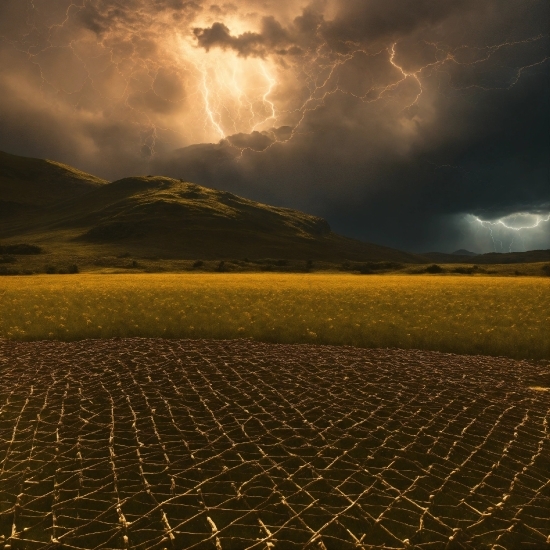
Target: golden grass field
468,315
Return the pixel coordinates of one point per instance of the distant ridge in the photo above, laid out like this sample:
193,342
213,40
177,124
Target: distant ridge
158,216
464,252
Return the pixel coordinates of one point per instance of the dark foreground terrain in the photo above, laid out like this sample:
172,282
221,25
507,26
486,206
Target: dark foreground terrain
142,443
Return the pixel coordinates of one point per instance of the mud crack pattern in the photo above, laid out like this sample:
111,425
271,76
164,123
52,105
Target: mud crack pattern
142,443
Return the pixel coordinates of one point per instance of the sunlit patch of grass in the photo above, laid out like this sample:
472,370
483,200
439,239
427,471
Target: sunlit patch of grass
494,316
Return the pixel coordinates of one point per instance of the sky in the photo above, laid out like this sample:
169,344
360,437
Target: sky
418,124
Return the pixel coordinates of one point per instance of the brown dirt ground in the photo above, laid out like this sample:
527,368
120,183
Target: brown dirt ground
147,443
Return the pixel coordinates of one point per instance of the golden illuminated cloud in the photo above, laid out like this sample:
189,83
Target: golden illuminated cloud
340,99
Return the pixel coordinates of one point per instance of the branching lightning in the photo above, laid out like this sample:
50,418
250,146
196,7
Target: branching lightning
538,220
228,94
210,112
235,91
265,98
527,221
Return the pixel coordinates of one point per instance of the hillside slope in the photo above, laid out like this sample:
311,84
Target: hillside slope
28,184
162,217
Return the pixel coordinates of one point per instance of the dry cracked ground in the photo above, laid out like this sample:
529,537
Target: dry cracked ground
146,444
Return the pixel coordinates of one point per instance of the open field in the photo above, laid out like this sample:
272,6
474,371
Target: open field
459,314
151,444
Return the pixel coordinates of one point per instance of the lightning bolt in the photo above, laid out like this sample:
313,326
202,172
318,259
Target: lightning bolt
271,84
505,222
539,219
210,113
323,79
230,95
236,92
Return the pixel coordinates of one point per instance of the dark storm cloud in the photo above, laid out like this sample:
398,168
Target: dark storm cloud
102,16
476,141
273,38
89,85
395,119
370,22
301,34
357,22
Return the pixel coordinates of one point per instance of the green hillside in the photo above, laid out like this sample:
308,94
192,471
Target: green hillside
36,183
74,214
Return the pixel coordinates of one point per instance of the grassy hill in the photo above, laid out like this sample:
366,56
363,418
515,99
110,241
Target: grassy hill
70,213
36,183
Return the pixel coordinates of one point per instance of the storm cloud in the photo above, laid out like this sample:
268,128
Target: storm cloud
398,121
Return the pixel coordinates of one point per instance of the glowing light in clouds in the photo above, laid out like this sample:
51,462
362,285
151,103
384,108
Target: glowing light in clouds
511,227
234,91
517,222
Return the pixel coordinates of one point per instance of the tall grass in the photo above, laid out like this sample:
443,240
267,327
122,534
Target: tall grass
479,315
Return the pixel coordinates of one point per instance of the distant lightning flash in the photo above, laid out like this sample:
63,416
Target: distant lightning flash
507,223
538,220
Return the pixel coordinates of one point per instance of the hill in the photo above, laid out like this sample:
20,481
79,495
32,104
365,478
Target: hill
75,212
30,184
464,252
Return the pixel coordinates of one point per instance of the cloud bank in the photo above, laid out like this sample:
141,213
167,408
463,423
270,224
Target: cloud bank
398,121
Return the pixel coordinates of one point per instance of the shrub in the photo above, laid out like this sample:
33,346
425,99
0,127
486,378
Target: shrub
8,271
50,269
20,249
198,263
7,260
385,265
434,269
73,269
546,269
370,267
